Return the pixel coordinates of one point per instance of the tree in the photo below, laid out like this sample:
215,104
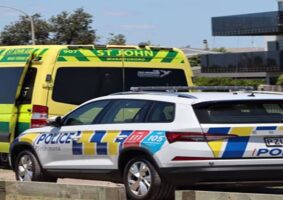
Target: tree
119,39
221,50
74,28
147,43
194,60
280,80
19,32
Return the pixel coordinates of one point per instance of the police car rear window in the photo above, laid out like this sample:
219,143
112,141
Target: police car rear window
9,81
239,112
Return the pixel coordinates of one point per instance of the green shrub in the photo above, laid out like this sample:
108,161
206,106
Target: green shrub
280,80
205,81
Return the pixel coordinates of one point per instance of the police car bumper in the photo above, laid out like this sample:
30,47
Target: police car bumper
187,176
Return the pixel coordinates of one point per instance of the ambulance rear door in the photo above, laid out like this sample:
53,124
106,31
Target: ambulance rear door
82,73
14,64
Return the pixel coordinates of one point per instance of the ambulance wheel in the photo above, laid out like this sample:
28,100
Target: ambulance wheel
142,181
27,168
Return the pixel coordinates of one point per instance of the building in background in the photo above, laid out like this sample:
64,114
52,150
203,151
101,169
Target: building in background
259,63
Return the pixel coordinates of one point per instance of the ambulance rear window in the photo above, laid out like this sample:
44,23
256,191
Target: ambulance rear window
9,82
75,85
154,77
240,112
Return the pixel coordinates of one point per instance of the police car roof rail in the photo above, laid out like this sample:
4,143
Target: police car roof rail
154,93
267,92
187,88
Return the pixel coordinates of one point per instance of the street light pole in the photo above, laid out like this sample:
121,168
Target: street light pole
30,19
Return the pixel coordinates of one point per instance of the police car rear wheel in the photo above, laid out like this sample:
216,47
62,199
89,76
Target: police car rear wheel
28,169
142,181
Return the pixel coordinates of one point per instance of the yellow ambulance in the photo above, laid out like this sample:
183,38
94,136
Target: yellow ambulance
37,82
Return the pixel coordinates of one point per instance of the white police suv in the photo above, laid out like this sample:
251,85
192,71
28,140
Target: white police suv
153,141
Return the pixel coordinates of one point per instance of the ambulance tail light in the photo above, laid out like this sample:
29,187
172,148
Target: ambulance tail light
39,116
195,137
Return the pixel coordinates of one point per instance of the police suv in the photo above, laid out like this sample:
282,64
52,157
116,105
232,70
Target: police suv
153,141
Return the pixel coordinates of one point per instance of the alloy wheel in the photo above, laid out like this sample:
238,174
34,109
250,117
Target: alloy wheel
25,168
139,178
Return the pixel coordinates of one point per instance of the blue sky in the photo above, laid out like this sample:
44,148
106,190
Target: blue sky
168,23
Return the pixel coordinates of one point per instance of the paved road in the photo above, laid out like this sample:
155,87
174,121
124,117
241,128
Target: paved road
10,176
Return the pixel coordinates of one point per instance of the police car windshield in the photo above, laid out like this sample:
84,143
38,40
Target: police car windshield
9,81
240,112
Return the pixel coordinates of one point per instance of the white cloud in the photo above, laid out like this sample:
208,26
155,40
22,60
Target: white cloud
138,26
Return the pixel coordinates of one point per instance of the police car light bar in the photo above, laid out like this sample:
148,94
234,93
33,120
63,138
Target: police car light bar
186,88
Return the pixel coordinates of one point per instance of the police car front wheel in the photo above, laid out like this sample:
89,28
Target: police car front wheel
28,168
142,181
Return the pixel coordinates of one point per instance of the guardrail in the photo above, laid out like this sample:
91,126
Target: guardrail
12,190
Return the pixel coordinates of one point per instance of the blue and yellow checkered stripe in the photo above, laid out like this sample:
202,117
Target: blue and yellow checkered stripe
100,142
235,147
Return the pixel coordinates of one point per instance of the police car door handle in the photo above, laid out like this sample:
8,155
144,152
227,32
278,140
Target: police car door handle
122,137
76,138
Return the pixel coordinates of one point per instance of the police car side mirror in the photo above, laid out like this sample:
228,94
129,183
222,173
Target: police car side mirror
54,121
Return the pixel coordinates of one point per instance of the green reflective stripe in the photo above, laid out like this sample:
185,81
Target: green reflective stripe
4,127
21,54
118,55
72,53
21,127
170,57
2,51
61,59
77,54
83,59
35,50
42,52
17,55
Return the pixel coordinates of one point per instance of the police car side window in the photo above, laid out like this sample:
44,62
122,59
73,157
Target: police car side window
162,112
126,111
85,115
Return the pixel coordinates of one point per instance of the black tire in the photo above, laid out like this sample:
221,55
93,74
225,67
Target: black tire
158,190
4,161
35,172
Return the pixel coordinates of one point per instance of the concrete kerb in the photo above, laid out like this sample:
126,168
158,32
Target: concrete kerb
205,195
11,190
